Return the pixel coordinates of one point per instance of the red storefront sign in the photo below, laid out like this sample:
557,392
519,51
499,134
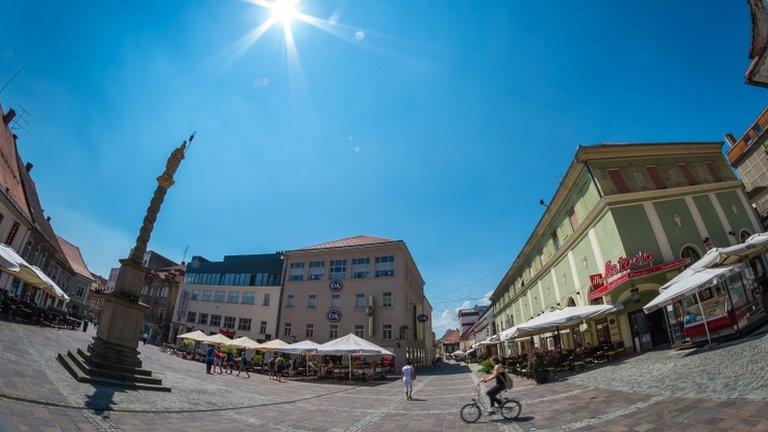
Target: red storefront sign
12,233
230,333
625,269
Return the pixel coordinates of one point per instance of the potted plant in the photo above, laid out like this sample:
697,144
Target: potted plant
486,366
537,366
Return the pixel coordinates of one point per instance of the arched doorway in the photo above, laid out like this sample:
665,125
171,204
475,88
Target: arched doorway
744,235
691,253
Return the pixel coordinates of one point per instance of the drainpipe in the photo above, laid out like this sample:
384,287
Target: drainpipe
592,176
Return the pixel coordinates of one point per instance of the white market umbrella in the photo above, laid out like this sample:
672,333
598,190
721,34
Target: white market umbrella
556,319
305,347
687,283
272,345
244,342
9,259
13,264
49,286
217,339
349,345
196,335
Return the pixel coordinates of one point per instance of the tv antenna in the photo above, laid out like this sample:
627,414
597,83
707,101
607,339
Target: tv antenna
184,257
10,80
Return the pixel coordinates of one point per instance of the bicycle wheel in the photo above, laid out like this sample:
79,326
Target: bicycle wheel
511,409
470,413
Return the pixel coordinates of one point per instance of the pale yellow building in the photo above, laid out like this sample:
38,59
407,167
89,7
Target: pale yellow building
365,285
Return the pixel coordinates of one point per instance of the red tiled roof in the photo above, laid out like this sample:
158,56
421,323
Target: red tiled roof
10,182
450,337
359,240
72,253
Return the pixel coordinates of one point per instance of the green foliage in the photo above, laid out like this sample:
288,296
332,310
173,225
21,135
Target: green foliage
189,343
227,349
537,360
257,359
486,366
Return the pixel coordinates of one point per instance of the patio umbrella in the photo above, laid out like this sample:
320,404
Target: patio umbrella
217,339
272,345
305,347
13,264
196,335
556,319
244,342
350,344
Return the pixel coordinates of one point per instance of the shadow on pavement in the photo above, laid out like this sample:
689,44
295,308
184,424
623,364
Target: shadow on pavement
444,369
101,399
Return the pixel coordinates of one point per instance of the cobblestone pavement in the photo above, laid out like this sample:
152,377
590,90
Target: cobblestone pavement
663,391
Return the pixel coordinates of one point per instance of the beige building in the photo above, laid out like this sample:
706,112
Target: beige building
236,297
365,285
748,156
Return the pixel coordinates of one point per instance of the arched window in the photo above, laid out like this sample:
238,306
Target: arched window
691,253
570,302
744,235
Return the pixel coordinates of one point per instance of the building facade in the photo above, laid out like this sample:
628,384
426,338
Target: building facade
161,288
625,219
449,343
237,297
757,73
365,285
749,156
96,297
79,286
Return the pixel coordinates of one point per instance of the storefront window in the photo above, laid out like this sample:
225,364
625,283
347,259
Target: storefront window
603,332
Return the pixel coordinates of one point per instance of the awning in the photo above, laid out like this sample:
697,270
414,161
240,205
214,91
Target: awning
687,283
196,335
244,342
558,319
303,347
493,340
350,344
508,334
626,276
217,339
13,264
273,345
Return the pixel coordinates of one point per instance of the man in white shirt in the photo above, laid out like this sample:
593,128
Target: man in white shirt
409,374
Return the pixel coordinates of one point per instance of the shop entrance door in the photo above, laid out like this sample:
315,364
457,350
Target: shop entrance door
657,326
648,331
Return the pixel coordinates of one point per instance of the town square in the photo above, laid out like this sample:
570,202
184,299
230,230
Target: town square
343,216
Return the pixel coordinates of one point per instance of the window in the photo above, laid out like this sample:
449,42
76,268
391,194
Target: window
310,331
249,298
287,329
333,331
713,171
80,291
655,175
229,322
316,270
359,331
386,300
555,241
215,320
572,218
244,324
618,181
338,269
360,268
312,301
220,297
359,300
191,316
234,297
196,294
263,327
691,253
386,331
207,295
266,300
687,174
203,319
289,301
335,301
385,266
297,271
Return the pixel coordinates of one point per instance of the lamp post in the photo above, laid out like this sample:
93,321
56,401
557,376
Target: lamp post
113,357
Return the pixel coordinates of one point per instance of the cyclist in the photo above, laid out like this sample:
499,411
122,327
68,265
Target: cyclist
500,376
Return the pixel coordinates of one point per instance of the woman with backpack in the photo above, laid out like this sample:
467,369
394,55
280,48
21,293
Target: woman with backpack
501,378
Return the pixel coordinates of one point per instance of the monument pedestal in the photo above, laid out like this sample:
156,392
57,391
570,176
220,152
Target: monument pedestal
113,357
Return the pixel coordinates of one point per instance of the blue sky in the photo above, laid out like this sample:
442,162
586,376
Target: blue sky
441,123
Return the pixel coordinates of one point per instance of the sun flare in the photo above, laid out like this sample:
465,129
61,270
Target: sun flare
284,11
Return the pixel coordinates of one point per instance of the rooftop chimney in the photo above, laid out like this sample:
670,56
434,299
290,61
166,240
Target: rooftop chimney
731,140
48,218
9,116
28,166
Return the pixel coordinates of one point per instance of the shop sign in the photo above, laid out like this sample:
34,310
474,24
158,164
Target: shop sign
333,315
627,263
335,285
230,333
422,318
607,286
12,233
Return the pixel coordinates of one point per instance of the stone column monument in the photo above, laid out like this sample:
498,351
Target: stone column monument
113,358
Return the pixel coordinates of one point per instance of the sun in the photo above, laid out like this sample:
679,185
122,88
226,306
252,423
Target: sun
284,11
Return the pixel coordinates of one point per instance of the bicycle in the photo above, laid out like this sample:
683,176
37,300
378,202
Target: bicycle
509,408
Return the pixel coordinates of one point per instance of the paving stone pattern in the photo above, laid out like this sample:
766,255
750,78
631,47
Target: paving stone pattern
659,391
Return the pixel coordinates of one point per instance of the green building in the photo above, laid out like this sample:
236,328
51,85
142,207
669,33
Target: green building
625,219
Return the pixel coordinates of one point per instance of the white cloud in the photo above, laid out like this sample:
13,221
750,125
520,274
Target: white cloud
446,320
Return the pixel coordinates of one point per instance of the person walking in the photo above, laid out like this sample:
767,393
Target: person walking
243,366
280,367
218,360
144,338
230,362
272,365
210,353
501,383
408,374
85,325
